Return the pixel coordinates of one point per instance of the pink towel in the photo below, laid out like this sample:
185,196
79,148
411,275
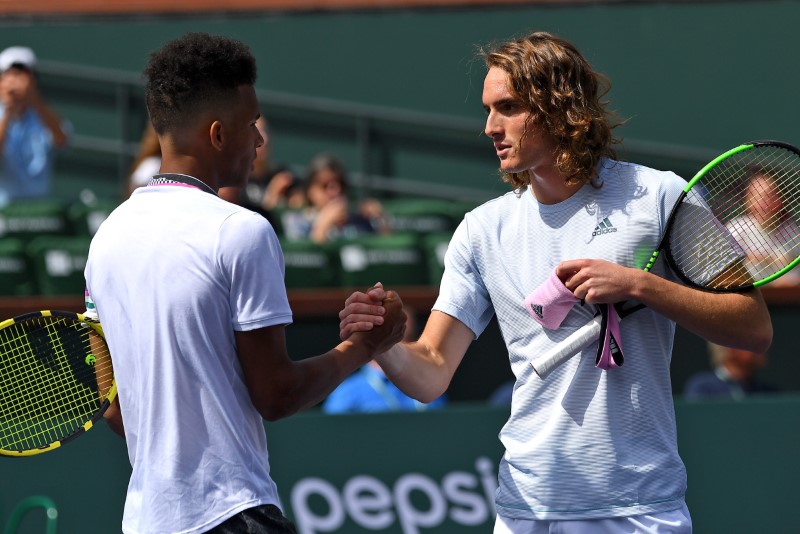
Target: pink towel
550,303
609,350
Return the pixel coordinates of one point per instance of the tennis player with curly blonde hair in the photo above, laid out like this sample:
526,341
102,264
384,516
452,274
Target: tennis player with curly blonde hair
588,449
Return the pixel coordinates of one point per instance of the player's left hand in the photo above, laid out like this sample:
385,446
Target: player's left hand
598,281
392,330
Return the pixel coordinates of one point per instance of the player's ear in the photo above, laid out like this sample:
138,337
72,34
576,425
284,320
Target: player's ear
215,135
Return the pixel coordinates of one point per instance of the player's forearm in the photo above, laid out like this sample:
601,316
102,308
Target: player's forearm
305,383
113,418
733,319
416,370
322,374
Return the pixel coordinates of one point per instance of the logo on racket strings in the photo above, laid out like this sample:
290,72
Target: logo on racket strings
90,360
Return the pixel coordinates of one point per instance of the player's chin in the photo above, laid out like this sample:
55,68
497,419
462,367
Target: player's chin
508,167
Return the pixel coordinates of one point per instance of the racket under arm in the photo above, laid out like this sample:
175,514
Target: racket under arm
573,344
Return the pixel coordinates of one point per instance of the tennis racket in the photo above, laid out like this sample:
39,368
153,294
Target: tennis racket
56,380
735,226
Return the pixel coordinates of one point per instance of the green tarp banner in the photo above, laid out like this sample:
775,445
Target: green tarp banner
433,472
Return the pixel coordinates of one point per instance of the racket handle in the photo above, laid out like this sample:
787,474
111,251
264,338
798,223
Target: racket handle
568,348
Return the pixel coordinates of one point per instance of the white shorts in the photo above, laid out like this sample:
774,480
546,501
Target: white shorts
672,522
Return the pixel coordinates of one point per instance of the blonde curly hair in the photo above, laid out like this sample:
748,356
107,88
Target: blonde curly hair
564,96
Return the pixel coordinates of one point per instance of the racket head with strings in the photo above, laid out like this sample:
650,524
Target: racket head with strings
737,225
56,380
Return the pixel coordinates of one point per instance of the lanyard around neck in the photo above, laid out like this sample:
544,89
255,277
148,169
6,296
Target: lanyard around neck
180,179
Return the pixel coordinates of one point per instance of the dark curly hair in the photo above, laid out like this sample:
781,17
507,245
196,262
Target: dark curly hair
564,96
193,73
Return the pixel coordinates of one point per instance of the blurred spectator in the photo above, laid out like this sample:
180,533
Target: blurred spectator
767,230
327,215
501,396
29,129
147,162
733,375
270,186
368,389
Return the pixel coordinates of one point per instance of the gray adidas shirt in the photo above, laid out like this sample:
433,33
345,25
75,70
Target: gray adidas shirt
583,443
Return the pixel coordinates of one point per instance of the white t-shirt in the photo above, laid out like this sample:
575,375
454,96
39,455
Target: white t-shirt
173,272
582,443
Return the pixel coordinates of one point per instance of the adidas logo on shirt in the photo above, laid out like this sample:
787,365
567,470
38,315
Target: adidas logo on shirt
605,227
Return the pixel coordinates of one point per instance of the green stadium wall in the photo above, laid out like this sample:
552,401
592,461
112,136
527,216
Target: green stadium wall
433,472
699,75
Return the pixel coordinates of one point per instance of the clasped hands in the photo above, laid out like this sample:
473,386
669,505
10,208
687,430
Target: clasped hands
376,314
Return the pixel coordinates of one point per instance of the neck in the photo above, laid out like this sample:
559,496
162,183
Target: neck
184,152
190,166
548,186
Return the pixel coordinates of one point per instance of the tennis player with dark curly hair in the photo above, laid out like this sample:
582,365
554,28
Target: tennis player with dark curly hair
190,292
588,449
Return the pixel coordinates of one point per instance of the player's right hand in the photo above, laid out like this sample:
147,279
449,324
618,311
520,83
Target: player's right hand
363,311
383,337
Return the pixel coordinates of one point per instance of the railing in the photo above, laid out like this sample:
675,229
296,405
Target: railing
365,120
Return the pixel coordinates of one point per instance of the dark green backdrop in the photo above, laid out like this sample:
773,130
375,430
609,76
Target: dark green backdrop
706,73
433,472
698,75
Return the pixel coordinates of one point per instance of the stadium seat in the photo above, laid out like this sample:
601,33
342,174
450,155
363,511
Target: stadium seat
282,220
15,272
28,219
309,265
84,219
419,215
395,260
435,245
459,209
58,263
